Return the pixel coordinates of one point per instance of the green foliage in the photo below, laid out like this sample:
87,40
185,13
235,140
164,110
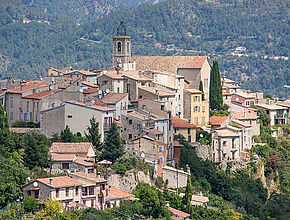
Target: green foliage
278,206
30,204
151,201
13,212
24,124
113,145
94,214
35,150
188,194
219,202
267,96
122,168
93,134
66,135
201,89
215,90
203,137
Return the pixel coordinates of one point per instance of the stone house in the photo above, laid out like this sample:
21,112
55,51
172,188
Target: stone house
184,128
196,110
227,98
134,80
244,99
226,144
249,117
111,81
76,116
218,121
179,215
193,68
278,114
154,152
62,188
13,97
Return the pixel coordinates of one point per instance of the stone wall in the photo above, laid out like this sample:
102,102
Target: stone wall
129,181
175,177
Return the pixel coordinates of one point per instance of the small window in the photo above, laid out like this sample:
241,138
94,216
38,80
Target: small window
224,143
130,121
77,190
78,83
160,148
188,131
161,159
36,194
65,166
189,138
69,116
91,190
130,136
67,192
57,193
119,46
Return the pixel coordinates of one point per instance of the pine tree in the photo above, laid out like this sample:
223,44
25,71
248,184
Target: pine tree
94,135
201,89
66,135
188,194
113,146
35,150
216,96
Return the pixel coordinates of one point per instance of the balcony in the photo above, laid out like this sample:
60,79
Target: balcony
281,116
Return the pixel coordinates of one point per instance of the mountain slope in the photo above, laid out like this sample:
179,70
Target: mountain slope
248,38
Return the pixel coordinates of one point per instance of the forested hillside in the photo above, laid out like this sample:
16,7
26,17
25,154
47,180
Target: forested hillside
248,38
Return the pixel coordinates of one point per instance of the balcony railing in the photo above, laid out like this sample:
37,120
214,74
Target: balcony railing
281,116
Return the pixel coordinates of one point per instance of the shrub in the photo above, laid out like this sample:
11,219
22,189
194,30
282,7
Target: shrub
30,204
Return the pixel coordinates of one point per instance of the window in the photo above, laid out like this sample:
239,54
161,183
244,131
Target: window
161,159
144,107
27,106
102,187
37,107
224,143
130,136
91,190
179,97
25,116
69,116
118,90
36,194
57,193
196,98
104,82
67,192
36,118
196,108
162,107
77,190
31,116
119,46
196,120
189,138
78,83
188,131
203,121
130,121
128,47
11,116
11,103
65,166
160,148
203,108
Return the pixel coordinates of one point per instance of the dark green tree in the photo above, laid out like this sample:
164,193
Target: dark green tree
215,90
7,144
188,195
66,135
113,146
35,150
93,134
201,89
30,204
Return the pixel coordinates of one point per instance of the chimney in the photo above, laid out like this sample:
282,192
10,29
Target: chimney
34,87
50,181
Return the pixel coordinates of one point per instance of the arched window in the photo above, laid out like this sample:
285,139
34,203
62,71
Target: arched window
119,47
128,47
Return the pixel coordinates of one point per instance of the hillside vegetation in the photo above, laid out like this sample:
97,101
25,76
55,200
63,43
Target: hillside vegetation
248,38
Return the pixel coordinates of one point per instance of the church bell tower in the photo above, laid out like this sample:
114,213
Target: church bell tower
121,47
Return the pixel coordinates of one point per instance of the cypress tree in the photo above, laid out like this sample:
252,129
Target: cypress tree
113,146
188,194
215,96
94,135
201,89
6,139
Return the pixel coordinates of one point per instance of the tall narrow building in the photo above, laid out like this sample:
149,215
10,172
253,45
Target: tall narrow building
122,48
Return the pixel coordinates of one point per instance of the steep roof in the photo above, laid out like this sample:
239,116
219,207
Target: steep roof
181,123
60,181
217,120
42,94
168,63
113,98
71,148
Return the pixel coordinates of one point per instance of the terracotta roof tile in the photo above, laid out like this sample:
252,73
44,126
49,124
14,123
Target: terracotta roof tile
217,120
30,85
41,95
90,90
71,148
178,213
62,157
116,193
168,63
177,144
113,98
155,131
117,123
155,91
181,123
90,84
100,108
89,176
247,115
113,75
60,181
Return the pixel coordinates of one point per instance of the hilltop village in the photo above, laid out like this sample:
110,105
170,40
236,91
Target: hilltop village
143,107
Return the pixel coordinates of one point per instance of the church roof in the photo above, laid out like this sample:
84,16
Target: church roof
168,63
